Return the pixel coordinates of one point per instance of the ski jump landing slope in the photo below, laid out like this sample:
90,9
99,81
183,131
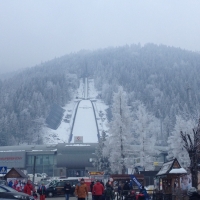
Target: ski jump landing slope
85,123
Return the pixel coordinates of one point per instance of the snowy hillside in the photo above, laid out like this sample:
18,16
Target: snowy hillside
84,122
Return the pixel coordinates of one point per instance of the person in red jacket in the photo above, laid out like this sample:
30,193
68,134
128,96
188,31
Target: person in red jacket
97,190
28,188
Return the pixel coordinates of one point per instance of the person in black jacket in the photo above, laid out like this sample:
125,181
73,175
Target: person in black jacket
67,189
91,189
42,191
126,188
108,193
192,193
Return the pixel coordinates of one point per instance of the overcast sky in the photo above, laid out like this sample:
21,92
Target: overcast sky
34,31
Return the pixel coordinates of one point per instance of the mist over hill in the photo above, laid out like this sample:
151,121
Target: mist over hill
165,79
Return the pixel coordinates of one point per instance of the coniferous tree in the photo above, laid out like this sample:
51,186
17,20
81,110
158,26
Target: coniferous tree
120,133
176,146
101,162
146,128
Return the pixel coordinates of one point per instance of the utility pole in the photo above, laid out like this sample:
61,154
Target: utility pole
122,147
34,161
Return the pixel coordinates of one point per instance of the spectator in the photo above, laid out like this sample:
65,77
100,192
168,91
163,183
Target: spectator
144,192
91,189
109,195
126,188
98,190
28,188
67,189
10,183
81,191
42,191
140,196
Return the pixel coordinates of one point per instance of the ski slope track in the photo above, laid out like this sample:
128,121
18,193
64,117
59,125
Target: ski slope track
84,117
85,123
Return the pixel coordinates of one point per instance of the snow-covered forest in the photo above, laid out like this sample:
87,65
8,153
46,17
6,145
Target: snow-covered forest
162,86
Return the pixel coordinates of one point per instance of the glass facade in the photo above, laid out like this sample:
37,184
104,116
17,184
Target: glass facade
44,164
75,172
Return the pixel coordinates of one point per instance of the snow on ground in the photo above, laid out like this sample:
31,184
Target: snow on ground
61,134
84,122
100,108
99,105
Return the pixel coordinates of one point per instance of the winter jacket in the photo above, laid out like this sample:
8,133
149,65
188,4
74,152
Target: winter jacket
10,184
81,190
195,196
28,188
67,188
144,191
140,197
42,190
98,189
109,195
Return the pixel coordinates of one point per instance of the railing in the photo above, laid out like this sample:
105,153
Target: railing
153,195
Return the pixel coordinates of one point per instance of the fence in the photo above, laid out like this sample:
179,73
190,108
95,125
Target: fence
154,195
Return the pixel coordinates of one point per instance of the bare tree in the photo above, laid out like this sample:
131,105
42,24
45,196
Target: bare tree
192,145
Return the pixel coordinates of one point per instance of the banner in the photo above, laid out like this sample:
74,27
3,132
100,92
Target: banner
136,181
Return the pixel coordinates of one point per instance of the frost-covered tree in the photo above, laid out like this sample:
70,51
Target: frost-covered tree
120,133
101,162
146,128
176,146
192,146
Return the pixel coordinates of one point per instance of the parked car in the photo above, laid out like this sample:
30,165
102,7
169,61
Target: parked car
58,188
37,177
9,193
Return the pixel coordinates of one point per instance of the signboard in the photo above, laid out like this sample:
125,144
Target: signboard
78,139
3,170
96,173
12,159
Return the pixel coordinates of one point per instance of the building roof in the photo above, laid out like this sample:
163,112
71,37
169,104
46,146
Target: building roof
15,173
172,166
178,171
25,147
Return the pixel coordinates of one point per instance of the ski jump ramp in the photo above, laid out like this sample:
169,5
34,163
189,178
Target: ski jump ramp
85,126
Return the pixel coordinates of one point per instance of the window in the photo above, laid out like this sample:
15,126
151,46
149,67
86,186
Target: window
61,184
2,190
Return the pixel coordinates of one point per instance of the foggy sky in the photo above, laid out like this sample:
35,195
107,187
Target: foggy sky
34,31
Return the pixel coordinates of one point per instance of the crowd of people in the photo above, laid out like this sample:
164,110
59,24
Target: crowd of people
28,188
98,190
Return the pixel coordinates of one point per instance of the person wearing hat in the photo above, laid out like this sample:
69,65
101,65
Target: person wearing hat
192,193
42,191
81,190
98,190
67,189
